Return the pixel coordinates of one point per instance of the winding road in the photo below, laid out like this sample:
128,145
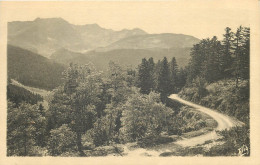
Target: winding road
224,122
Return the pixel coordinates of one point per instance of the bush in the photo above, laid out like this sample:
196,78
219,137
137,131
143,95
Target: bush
152,141
62,141
144,116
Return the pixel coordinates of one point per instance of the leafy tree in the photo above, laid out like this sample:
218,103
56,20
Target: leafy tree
99,133
116,78
23,125
119,91
143,116
62,140
60,110
130,77
75,103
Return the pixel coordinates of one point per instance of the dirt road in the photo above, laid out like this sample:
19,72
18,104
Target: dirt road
224,122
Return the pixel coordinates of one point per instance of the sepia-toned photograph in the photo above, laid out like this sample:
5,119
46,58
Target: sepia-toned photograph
128,79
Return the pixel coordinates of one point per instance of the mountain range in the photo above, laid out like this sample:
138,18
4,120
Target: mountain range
48,35
53,43
45,36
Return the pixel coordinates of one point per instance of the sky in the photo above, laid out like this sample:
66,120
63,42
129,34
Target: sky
199,18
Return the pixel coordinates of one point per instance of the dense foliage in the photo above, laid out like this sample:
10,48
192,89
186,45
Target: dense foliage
26,130
144,116
215,60
218,74
218,77
163,77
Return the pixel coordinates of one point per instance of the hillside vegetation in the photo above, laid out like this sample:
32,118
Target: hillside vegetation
18,95
32,69
126,57
218,77
222,96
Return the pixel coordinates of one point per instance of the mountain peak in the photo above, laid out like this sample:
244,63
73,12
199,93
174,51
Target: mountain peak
50,20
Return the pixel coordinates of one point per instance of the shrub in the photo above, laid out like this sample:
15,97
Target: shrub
62,140
152,141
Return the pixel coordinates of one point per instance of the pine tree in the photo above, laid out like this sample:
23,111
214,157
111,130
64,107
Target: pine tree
144,77
212,71
164,81
226,56
174,72
151,65
238,53
245,54
197,62
182,78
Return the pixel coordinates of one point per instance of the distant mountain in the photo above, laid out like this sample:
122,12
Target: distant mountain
95,36
33,69
45,36
125,57
63,42
65,56
153,41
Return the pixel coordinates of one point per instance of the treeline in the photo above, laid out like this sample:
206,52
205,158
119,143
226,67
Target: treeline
215,60
218,73
163,77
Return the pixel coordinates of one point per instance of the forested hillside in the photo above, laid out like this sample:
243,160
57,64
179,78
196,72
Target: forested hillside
126,57
18,95
32,69
218,77
218,73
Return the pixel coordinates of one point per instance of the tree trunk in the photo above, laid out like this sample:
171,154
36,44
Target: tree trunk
25,145
79,144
